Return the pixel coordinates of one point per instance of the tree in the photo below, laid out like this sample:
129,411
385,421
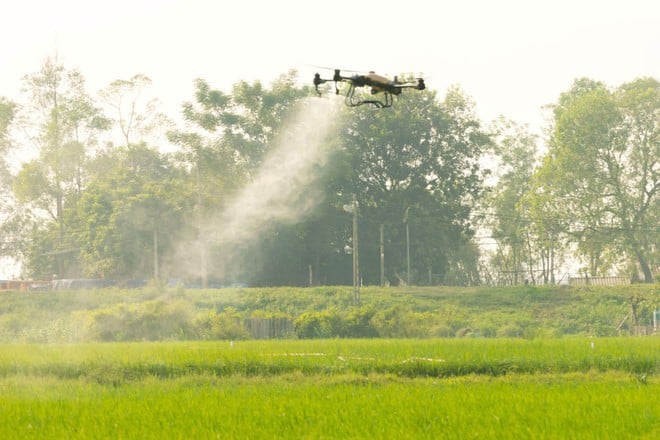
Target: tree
63,122
515,148
136,116
224,144
246,120
416,168
131,218
546,229
603,167
7,113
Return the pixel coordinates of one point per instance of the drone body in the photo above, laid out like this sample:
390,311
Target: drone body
377,83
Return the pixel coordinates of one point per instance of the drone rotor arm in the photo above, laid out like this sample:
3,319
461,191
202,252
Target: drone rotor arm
318,81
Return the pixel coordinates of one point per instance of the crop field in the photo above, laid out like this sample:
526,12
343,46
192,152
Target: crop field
578,387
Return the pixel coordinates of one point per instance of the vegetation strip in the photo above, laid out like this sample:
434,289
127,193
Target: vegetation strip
157,313
587,388
125,362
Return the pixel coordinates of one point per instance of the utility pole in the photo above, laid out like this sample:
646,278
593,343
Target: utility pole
202,244
405,220
311,275
408,251
356,257
382,255
156,274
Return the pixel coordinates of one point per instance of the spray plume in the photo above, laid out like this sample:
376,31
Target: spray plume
280,192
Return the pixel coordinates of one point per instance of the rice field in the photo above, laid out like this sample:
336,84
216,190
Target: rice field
580,388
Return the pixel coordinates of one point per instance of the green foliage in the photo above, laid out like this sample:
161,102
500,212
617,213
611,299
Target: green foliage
134,212
148,321
7,114
516,256
331,323
132,116
400,322
64,121
211,325
415,168
325,324
601,167
137,203
161,313
359,323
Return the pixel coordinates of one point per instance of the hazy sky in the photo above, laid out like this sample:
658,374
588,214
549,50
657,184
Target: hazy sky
510,56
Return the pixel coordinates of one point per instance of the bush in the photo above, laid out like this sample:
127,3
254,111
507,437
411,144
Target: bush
510,331
210,325
441,331
359,323
399,322
147,321
324,324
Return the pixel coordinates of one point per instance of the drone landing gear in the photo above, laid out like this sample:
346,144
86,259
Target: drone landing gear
353,101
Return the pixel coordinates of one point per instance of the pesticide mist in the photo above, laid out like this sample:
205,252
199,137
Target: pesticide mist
276,192
281,191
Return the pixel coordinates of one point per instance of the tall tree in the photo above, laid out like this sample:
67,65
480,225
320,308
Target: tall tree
63,123
226,138
417,172
131,217
7,113
516,149
135,114
546,230
603,167
246,120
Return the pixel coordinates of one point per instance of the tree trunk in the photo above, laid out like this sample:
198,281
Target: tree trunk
644,265
60,244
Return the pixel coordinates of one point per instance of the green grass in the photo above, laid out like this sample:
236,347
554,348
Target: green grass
436,389
581,407
409,358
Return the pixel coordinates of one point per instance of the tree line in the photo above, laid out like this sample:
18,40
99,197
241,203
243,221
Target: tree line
116,190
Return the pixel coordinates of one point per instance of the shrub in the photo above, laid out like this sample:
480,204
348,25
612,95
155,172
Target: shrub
147,321
324,324
510,331
359,323
399,322
441,330
209,325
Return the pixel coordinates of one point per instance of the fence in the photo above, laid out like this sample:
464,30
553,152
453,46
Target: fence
268,328
598,281
24,285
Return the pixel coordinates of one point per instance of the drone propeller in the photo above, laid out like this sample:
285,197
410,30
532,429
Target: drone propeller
318,81
334,68
419,84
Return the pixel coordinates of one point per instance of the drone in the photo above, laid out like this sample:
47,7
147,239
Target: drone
378,84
